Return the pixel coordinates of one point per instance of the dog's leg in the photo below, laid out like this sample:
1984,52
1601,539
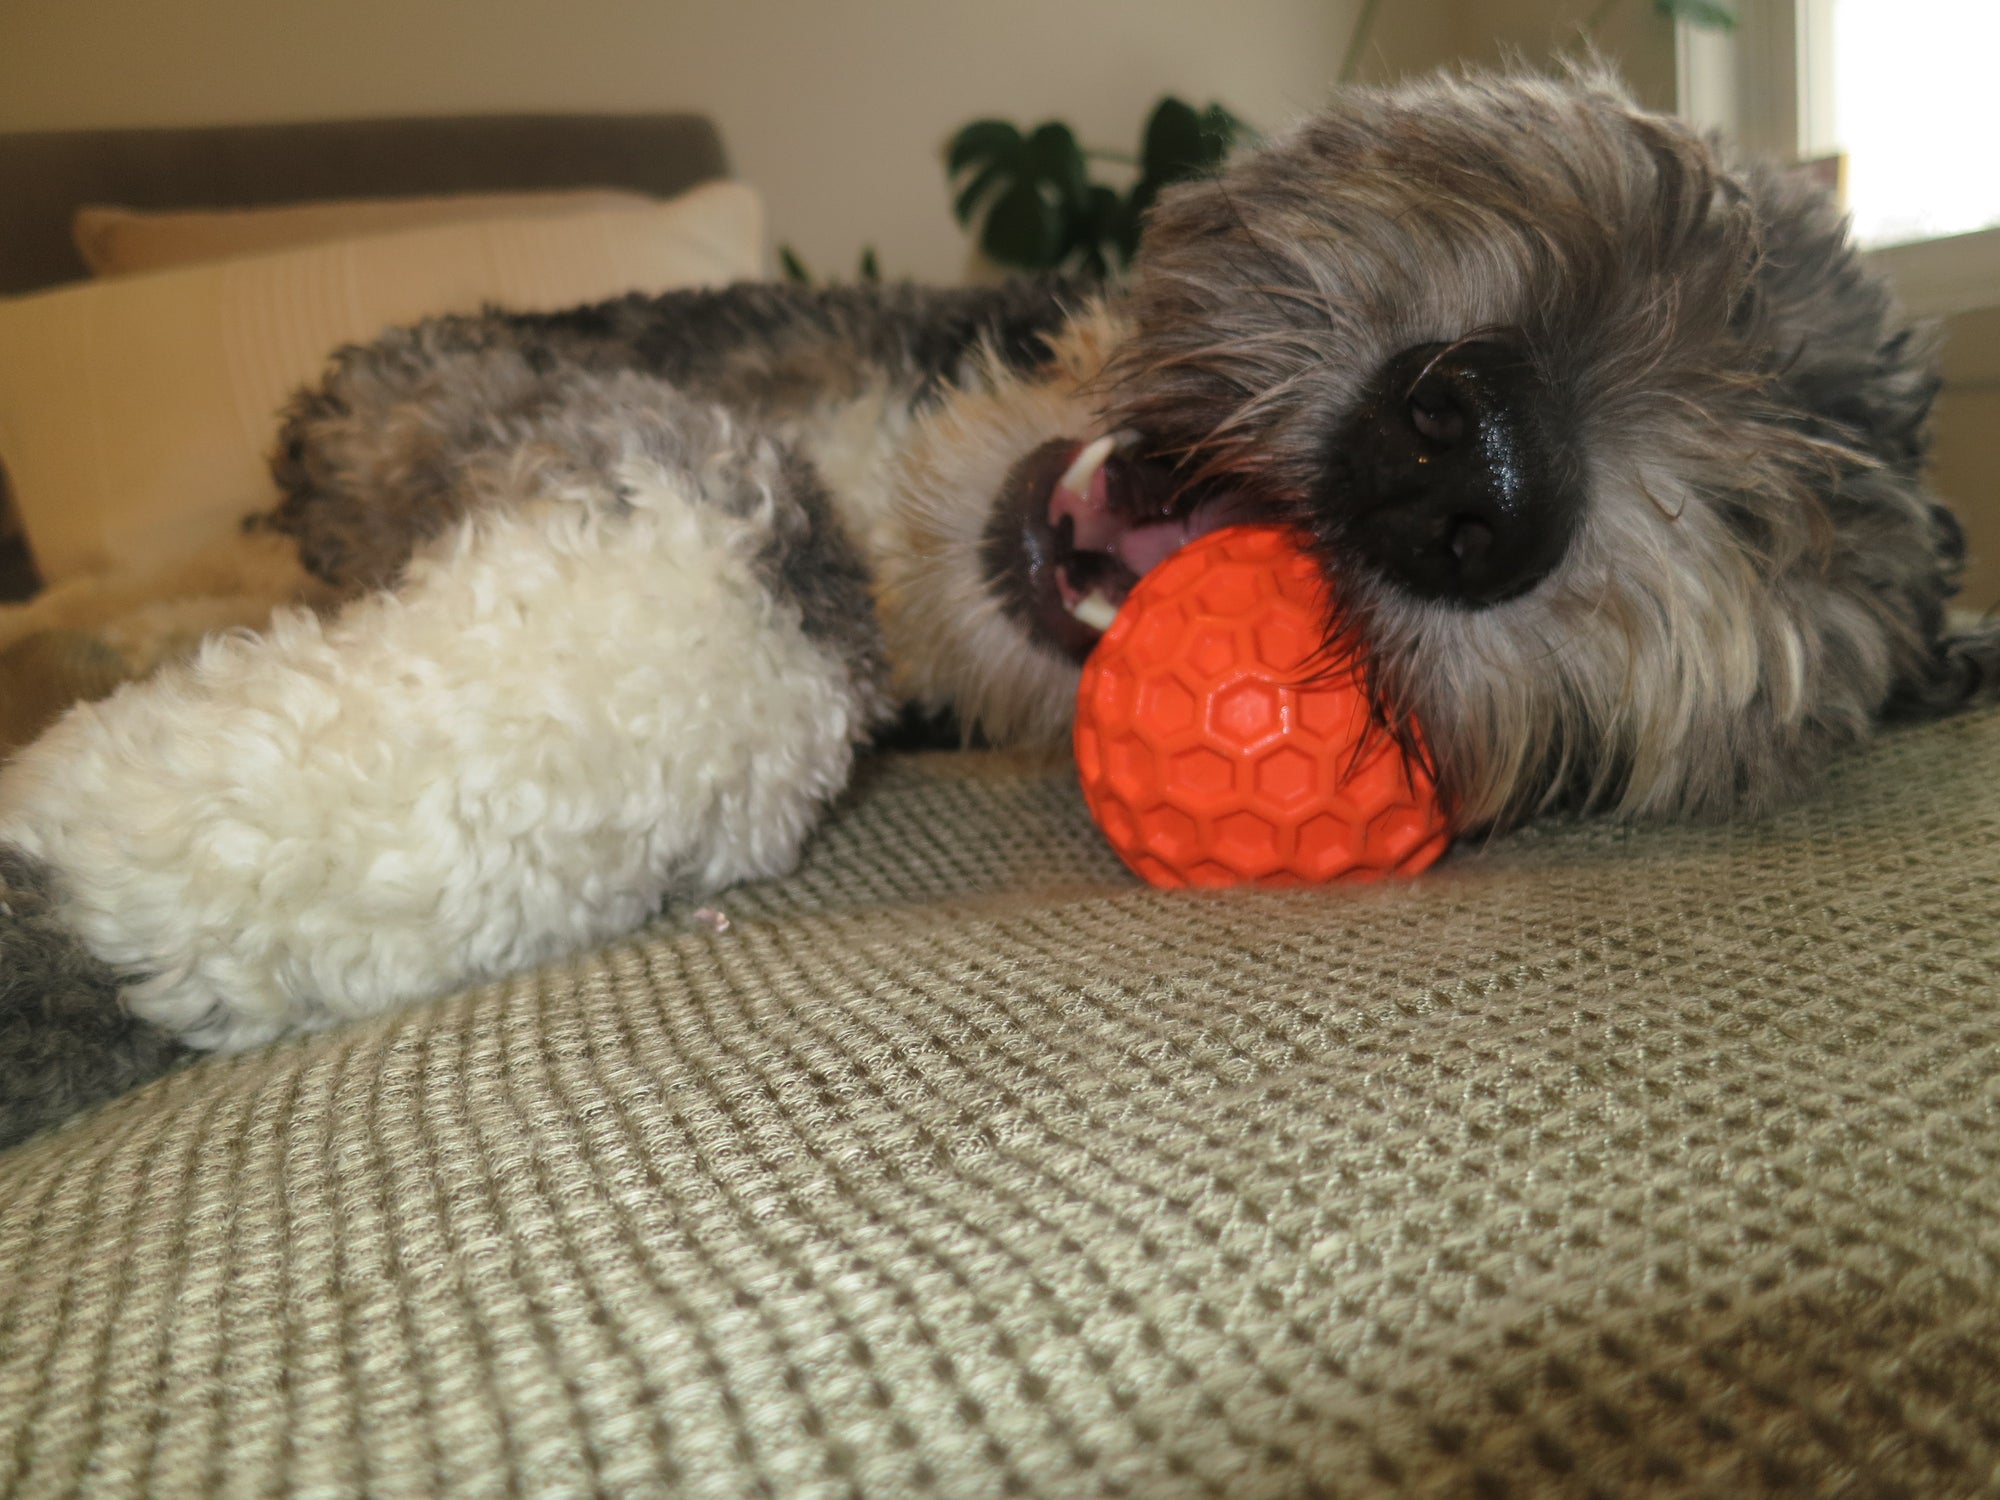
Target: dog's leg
624,675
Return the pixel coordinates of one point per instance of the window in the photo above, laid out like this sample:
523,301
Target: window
1895,96
1912,111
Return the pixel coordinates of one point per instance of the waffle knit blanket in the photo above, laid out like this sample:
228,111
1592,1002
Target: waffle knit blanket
1597,1162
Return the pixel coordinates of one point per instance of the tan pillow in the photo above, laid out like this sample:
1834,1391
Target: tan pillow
135,413
118,241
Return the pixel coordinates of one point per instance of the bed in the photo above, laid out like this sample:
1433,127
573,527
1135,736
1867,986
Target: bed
1600,1161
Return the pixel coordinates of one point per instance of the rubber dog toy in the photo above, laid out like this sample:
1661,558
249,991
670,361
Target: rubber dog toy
1220,743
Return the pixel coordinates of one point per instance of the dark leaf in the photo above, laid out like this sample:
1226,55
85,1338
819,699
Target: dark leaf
1179,144
1172,148
795,269
982,141
1128,224
1033,203
1099,228
1053,156
871,269
1022,229
983,181
1220,131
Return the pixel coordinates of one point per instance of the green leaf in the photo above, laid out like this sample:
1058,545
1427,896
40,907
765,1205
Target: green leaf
1030,199
1022,229
1220,132
1172,147
983,182
1127,225
795,269
870,269
1052,156
1097,227
1179,144
1711,15
982,141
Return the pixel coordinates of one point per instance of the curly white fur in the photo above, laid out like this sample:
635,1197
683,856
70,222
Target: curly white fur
327,819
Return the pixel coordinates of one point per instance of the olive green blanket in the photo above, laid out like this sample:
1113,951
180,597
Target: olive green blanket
1597,1162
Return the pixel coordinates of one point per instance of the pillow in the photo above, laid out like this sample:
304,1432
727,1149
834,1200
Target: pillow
119,241
135,413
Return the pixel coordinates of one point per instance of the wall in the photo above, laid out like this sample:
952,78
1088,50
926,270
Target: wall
1413,35
837,109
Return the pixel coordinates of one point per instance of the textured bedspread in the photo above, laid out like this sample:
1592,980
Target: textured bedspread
1597,1162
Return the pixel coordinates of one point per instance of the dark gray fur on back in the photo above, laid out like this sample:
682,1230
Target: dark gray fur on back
370,461
65,1042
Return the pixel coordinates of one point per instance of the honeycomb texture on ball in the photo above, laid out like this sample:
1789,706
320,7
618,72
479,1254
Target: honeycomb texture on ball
1219,745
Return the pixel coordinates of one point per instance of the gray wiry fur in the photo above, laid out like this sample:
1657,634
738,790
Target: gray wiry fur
65,1044
1718,419
372,461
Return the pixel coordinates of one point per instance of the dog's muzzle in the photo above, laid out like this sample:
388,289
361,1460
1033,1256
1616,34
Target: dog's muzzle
1449,480
1077,524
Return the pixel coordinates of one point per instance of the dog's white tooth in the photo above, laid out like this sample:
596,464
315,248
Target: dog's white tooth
1126,438
1095,610
1083,468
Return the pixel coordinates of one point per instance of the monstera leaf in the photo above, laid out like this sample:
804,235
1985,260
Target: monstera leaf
1179,144
1035,204
1032,189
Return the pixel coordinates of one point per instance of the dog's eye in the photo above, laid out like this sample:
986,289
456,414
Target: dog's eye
1435,415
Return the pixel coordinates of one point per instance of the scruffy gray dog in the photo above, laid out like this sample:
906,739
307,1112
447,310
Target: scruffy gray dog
1612,452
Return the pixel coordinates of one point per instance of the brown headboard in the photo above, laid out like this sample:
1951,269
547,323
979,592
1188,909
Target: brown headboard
45,176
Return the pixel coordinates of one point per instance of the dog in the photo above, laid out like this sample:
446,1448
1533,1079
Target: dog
1610,451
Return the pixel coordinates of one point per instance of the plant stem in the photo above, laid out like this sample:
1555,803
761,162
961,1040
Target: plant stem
1364,24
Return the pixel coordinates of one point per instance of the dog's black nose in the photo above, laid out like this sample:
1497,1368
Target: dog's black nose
1449,478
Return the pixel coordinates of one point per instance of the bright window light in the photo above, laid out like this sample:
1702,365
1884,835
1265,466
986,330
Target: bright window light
1914,109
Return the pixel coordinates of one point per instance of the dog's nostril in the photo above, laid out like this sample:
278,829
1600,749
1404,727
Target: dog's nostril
1435,415
1471,540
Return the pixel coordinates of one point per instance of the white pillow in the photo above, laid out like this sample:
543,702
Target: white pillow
136,413
119,241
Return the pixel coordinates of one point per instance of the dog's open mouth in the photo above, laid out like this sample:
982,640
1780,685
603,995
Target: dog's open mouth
1077,524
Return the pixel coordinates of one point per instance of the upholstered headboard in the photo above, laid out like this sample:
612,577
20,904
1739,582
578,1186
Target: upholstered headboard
46,176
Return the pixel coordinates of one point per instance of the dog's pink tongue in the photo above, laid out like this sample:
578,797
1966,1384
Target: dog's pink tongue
1142,548
1082,497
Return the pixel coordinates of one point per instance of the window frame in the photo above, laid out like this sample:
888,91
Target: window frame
1767,86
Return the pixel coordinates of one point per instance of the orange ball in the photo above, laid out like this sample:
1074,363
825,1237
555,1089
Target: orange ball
1217,744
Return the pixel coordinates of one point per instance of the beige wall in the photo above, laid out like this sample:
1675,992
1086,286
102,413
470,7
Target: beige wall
1413,35
837,109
